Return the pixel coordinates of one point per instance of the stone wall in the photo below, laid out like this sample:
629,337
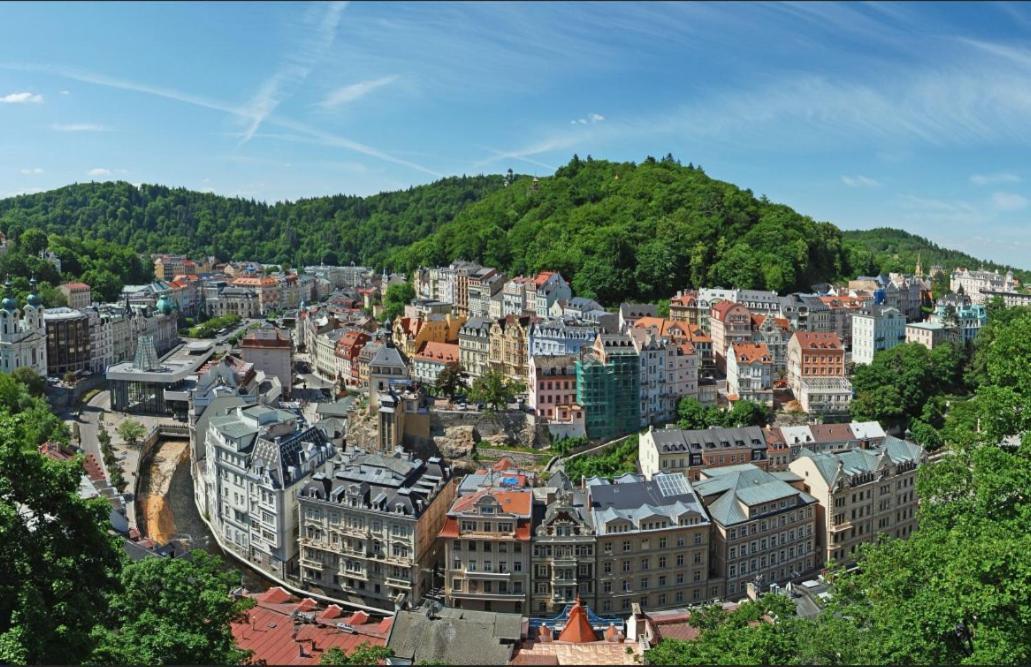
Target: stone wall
509,427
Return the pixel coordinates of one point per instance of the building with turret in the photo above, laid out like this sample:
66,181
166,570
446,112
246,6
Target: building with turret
23,334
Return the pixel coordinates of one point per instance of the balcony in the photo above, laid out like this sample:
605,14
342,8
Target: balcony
398,582
311,564
480,595
479,574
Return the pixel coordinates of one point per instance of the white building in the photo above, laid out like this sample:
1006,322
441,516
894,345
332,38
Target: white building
974,283
23,336
875,329
668,373
750,372
257,459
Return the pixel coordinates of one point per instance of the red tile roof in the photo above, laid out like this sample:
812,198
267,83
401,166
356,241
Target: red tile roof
542,277
818,340
578,629
269,630
723,308
752,353
513,502
441,352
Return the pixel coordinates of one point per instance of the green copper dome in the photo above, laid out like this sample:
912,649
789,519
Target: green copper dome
165,305
33,298
8,304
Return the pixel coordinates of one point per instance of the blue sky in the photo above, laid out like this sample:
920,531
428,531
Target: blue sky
907,115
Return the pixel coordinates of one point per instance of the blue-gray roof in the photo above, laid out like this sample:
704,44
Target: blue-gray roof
730,490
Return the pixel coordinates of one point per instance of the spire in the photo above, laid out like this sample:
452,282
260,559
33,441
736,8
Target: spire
578,628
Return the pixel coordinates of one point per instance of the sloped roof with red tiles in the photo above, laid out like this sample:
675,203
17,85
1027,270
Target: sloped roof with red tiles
832,432
752,353
578,629
687,299
52,450
723,308
444,353
512,502
270,633
542,277
76,286
818,340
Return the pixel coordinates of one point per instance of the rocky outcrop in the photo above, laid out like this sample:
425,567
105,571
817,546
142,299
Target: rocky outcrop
458,442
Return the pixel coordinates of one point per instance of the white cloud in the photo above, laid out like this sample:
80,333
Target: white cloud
98,172
22,98
1008,201
32,171
860,181
355,91
296,68
589,119
78,127
992,179
66,92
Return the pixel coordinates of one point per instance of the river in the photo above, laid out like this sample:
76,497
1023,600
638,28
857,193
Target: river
180,516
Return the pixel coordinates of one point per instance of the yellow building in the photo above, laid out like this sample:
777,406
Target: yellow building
509,347
411,333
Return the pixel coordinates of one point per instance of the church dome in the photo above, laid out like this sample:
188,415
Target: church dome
33,299
165,305
9,304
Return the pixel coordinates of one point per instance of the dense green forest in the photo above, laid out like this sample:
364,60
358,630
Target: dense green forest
884,250
617,230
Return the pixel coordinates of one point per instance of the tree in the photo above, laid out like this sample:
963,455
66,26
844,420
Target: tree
173,611
130,431
494,390
450,380
32,381
57,560
398,295
33,241
70,378
693,415
363,654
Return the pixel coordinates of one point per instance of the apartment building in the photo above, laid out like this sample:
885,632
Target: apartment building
270,349
368,526
932,334
431,359
552,383
765,527
975,283
874,329
560,336
508,349
861,493
674,450
257,459
686,307
547,288
814,355
773,332
487,550
652,542
68,340
474,346
669,371
608,386
750,372
77,294
563,551
729,323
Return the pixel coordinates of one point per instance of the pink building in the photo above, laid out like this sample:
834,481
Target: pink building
552,383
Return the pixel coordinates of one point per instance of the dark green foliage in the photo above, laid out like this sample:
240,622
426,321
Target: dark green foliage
396,298
450,380
494,390
208,329
173,611
56,559
25,417
624,231
363,654
153,218
614,462
884,250
896,387
694,415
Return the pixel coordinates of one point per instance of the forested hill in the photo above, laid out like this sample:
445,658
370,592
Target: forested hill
617,230
155,218
896,250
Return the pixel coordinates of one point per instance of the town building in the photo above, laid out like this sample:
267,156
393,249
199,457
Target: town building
368,526
750,372
765,527
686,307
552,384
257,460
68,340
411,334
166,267
814,355
564,555
403,416
674,450
862,493
652,542
149,385
438,635
1009,299
77,294
270,349
547,288
431,359
608,386
560,336
508,351
729,323
874,329
932,334
976,283
487,550
669,371
969,318
474,346
23,335
629,313
221,299
387,366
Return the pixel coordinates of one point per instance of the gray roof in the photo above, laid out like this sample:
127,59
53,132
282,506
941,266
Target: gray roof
671,440
339,408
633,498
863,460
634,310
287,459
475,326
388,355
455,636
389,483
727,491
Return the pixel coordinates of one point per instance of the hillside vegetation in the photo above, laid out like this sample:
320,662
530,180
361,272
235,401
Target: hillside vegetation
618,231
